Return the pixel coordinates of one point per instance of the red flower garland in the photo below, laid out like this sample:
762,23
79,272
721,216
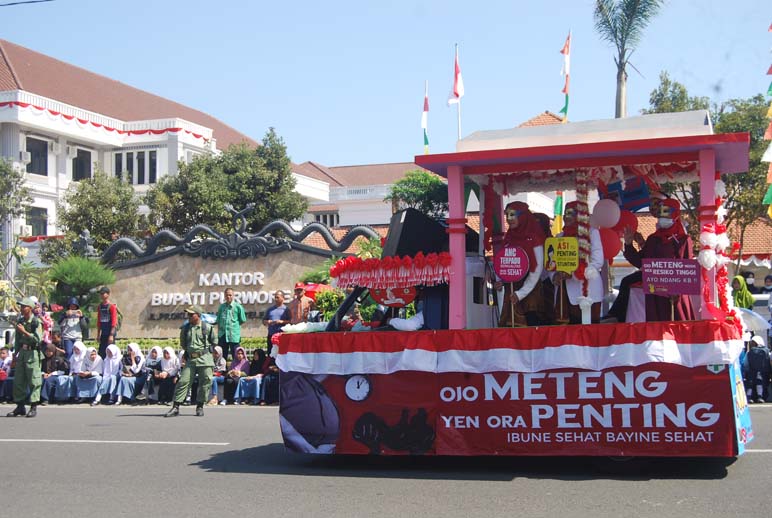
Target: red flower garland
392,272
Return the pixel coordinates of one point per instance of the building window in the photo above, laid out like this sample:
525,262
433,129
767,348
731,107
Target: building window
38,150
119,166
331,219
140,167
130,167
37,218
81,165
153,165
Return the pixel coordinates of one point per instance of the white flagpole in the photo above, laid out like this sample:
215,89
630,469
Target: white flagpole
459,99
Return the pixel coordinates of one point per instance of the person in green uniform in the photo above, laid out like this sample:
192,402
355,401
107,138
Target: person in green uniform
27,358
197,340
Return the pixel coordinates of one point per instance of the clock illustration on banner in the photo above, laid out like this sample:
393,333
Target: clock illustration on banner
358,387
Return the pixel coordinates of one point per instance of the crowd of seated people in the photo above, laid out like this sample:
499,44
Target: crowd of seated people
129,377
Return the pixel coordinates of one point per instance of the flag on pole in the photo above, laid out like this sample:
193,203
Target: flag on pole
557,223
458,84
566,51
425,119
769,90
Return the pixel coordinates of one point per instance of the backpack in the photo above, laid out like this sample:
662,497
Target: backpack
758,359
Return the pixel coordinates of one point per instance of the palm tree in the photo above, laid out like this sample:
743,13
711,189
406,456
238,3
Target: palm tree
621,23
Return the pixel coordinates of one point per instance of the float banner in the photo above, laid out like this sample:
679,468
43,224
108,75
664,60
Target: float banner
649,410
561,254
742,414
667,277
511,263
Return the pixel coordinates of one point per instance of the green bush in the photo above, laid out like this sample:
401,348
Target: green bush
328,302
79,277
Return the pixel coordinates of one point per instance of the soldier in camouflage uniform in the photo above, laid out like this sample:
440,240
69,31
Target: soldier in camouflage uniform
27,357
197,339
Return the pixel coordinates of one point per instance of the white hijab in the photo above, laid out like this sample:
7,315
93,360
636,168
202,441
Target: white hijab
78,355
138,356
172,365
90,365
159,354
112,363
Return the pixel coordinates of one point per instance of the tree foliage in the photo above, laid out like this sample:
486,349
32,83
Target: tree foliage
79,277
621,23
671,96
745,191
239,176
16,196
422,191
103,205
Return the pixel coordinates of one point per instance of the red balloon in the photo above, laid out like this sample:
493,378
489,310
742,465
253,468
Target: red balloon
611,243
626,219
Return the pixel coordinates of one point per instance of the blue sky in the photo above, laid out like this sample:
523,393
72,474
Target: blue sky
343,81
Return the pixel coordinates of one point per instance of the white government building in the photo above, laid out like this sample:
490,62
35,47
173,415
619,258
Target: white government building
58,122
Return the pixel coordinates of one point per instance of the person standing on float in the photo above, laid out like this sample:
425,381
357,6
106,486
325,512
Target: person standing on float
669,241
528,302
572,287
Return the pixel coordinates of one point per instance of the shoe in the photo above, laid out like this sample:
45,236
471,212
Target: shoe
760,400
33,411
43,402
119,400
237,402
78,401
18,411
95,402
199,411
174,412
224,402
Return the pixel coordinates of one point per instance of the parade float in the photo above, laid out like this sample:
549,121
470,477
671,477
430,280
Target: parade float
464,386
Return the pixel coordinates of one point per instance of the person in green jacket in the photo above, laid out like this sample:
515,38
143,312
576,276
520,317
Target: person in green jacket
27,358
197,342
230,316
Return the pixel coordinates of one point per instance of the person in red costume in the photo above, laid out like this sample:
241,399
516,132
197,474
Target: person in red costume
527,298
669,241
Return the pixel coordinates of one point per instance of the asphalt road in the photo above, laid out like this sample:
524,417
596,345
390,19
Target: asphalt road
240,469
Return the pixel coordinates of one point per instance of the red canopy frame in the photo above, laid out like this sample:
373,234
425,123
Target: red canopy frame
726,153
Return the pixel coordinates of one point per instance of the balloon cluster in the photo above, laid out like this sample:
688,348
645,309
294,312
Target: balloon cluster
392,272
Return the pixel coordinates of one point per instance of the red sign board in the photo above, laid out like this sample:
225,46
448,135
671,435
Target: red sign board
656,409
511,263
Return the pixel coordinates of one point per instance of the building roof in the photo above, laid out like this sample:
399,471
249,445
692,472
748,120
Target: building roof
317,172
372,174
543,119
30,71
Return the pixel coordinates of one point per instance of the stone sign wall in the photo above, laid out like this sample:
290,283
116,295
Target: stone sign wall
152,296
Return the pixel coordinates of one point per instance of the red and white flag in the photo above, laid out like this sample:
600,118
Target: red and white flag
458,84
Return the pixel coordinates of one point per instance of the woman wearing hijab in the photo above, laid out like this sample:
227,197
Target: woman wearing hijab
53,366
89,378
218,374
743,298
239,369
669,241
152,367
166,376
569,288
524,296
65,385
249,385
132,374
111,372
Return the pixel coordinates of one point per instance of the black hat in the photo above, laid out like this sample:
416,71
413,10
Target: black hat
104,289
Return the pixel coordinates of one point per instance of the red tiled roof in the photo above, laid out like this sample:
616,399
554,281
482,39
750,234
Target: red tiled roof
372,174
543,119
25,69
323,207
316,171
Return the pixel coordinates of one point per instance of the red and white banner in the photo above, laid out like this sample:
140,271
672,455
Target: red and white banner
656,409
596,347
